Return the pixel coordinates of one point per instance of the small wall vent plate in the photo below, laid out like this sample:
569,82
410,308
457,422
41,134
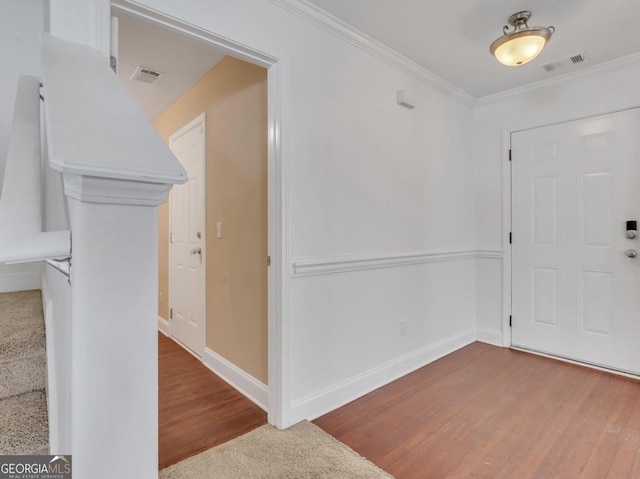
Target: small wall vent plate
404,100
146,75
566,62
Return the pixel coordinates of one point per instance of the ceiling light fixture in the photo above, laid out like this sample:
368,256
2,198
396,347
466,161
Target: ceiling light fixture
523,43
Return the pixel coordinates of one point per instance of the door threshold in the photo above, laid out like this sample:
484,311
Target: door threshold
185,347
605,369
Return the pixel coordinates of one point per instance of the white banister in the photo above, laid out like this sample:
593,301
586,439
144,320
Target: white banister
38,247
116,171
21,236
94,127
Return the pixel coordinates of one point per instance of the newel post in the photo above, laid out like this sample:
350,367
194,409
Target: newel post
116,171
114,339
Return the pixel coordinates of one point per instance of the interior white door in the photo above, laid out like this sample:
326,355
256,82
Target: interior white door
187,272
575,291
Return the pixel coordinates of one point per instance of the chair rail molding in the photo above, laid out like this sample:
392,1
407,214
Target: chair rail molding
358,262
489,253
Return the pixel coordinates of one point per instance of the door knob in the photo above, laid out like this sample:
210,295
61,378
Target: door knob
631,253
196,250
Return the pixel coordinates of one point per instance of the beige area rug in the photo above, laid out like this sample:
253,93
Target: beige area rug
303,451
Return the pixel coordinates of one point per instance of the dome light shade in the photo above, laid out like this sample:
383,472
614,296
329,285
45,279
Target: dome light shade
523,43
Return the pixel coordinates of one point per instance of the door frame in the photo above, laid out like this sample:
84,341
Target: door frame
201,119
506,231
507,228
277,65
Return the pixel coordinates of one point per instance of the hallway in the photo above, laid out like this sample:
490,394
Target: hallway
197,409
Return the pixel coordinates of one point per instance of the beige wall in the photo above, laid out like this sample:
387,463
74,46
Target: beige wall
234,96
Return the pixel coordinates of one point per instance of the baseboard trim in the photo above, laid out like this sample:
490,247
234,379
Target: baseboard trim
246,384
322,402
163,326
489,336
20,281
52,388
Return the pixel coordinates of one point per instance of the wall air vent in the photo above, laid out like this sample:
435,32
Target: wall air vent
146,75
565,62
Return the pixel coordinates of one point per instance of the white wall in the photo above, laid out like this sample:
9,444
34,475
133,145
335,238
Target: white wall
20,28
365,177
605,89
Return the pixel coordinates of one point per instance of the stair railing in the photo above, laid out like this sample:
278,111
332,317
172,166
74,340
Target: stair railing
22,239
116,170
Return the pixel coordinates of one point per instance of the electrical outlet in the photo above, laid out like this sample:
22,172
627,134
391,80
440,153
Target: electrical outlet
403,327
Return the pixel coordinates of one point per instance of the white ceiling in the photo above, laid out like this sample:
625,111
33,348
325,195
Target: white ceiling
451,38
183,62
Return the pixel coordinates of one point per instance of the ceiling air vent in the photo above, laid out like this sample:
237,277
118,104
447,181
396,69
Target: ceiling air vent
146,75
579,58
565,62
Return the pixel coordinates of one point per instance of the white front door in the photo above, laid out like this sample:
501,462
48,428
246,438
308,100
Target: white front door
575,292
187,272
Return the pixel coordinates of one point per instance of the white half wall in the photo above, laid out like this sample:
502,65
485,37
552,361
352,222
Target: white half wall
604,89
56,301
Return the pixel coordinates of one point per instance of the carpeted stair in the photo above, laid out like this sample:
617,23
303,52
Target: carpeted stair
23,405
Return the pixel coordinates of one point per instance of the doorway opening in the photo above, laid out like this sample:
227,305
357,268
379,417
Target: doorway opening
263,386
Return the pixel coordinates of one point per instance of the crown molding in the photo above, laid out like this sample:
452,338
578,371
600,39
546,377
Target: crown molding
555,81
331,24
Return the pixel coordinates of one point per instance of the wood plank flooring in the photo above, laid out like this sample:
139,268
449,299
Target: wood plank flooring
494,413
197,409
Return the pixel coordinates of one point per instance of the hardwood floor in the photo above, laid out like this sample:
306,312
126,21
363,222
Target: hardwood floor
197,409
489,412
481,412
